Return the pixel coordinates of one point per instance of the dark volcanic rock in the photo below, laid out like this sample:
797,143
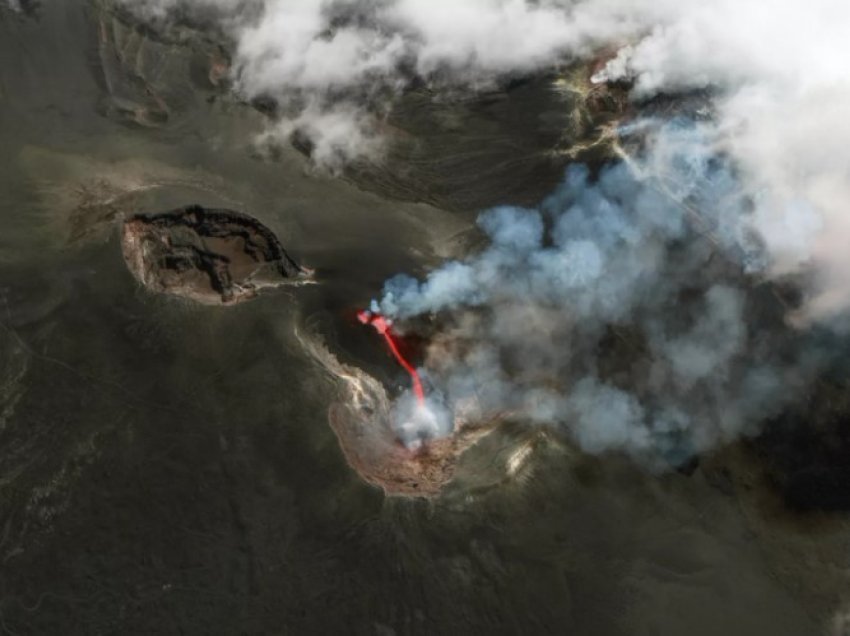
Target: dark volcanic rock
509,145
29,8
805,450
152,76
211,256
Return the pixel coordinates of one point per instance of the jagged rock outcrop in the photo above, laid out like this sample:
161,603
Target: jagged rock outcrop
212,256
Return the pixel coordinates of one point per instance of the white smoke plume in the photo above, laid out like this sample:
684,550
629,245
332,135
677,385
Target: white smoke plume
762,183
621,309
343,61
777,72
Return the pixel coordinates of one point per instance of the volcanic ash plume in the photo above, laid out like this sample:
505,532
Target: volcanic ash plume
627,308
776,76
630,306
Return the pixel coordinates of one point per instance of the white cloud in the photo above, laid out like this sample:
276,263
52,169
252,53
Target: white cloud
778,71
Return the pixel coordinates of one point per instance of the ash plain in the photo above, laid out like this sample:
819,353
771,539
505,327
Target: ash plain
167,467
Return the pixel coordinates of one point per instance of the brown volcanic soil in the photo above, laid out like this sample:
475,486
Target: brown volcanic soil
361,420
214,257
379,458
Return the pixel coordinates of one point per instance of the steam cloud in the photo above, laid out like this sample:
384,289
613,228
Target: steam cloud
620,309
663,250
334,66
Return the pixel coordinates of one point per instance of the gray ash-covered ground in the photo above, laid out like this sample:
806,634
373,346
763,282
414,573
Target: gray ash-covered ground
148,76
805,451
509,145
169,468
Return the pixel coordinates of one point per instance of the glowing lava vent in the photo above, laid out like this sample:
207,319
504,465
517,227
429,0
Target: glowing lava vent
383,326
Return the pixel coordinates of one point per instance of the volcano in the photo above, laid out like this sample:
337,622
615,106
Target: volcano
211,256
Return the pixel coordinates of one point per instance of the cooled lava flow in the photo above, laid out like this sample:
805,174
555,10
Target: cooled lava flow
382,326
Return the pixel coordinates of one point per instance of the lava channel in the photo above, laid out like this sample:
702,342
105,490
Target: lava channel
383,326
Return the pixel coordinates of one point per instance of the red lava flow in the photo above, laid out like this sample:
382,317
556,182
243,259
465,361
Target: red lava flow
382,326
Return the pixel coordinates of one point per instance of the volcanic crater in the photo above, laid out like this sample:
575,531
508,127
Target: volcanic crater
211,256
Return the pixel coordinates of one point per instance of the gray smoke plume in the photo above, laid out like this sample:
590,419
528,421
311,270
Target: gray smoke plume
656,258
777,74
623,309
